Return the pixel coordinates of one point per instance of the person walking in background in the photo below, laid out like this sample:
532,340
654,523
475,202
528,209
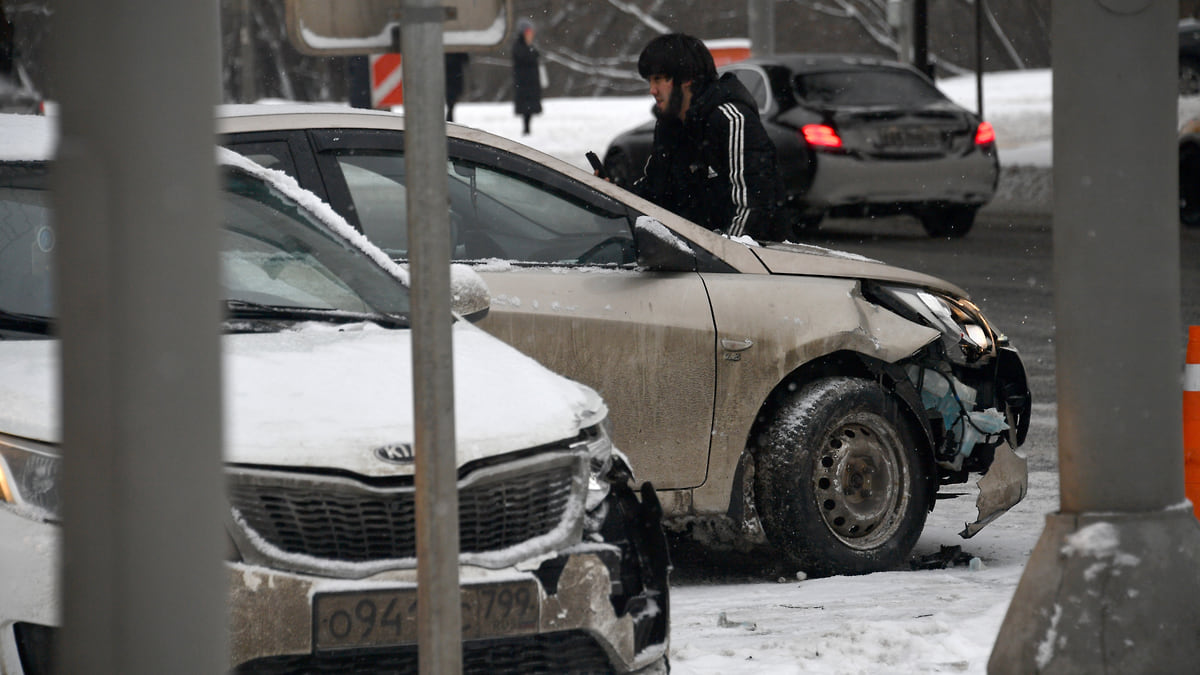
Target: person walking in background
456,65
527,83
711,160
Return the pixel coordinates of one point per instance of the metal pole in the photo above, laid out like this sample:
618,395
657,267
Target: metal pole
979,57
438,596
248,68
920,39
1111,586
762,27
135,201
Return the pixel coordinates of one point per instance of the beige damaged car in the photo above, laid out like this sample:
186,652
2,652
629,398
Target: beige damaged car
817,398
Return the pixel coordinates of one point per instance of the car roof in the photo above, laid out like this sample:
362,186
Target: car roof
247,118
804,62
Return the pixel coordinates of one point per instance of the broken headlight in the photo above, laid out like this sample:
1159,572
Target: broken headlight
29,479
598,441
965,330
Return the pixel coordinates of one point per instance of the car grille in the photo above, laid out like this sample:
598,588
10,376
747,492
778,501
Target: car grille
333,524
562,652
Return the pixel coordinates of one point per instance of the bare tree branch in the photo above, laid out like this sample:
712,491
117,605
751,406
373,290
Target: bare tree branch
1001,35
612,68
637,12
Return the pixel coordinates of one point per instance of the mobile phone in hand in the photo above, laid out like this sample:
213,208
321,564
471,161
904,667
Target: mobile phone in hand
597,165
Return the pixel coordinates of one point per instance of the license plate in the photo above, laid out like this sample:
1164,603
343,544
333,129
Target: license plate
388,618
909,137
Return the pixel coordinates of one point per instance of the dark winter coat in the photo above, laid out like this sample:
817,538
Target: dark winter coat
456,64
527,85
717,167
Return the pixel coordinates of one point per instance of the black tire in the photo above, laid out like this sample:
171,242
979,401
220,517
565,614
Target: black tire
802,223
839,484
948,222
1189,76
619,169
1189,184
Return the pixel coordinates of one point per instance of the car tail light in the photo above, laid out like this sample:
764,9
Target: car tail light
985,134
821,136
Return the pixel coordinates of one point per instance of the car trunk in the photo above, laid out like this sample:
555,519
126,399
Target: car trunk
929,132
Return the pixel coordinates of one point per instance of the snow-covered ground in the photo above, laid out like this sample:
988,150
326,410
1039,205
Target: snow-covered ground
934,621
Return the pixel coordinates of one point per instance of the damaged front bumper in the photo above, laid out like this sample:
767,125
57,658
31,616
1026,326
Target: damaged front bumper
1000,489
977,428
600,605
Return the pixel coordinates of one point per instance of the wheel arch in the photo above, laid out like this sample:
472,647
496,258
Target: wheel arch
842,364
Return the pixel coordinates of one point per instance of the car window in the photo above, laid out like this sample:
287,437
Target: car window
865,88
26,242
505,215
271,154
755,83
377,187
276,253
273,252
494,213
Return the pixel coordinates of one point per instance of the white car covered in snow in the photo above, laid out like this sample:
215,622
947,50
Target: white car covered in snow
318,385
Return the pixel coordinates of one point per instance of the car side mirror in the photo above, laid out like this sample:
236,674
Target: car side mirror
660,249
469,294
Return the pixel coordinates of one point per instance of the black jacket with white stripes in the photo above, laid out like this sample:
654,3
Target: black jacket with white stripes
717,167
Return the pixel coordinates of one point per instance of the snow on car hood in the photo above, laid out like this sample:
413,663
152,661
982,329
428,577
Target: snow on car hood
328,396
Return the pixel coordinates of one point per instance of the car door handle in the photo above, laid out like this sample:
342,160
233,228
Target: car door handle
736,345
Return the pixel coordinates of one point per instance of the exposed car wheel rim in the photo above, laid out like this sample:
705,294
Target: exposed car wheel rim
839,483
856,479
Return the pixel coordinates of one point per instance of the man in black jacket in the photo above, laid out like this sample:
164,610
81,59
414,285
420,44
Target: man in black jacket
711,160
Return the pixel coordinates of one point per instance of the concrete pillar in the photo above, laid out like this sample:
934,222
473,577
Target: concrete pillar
136,210
1112,585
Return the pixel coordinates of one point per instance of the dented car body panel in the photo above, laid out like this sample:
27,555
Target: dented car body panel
697,341
827,316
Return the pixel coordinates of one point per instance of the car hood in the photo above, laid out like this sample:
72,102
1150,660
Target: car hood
328,397
802,259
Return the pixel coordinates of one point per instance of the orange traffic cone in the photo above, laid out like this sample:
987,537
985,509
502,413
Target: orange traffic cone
1191,419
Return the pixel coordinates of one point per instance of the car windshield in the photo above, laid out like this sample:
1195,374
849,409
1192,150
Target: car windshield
276,256
854,88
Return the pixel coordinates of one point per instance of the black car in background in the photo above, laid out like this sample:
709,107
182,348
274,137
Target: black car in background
857,136
1189,57
1189,173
